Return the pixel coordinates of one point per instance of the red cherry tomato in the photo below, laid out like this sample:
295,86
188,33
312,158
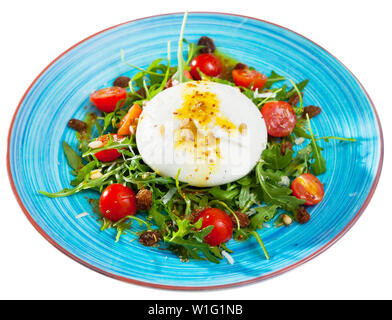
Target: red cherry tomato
223,226
307,187
106,99
109,154
208,64
117,202
279,118
245,77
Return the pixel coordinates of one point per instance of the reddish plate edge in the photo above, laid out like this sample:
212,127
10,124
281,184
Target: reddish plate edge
160,286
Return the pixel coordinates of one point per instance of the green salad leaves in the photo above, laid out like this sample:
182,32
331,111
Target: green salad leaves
262,195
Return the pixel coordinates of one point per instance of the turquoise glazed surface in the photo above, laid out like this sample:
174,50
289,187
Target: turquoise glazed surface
36,160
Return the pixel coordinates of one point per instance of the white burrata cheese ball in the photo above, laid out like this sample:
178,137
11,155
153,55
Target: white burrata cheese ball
208,133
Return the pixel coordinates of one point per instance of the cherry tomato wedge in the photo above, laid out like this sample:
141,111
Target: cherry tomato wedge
208,64
307,187
130,119
109,154
117,201
279,118
106,99
223,226
188,75
246,77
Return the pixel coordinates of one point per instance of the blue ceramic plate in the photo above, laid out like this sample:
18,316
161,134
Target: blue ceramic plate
36,160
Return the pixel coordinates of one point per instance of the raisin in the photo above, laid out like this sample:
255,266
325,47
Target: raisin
312,111
77,125
284,146
141,92
208,43
144,199
294,99
302,215
240,66
122,82
149,238
242,218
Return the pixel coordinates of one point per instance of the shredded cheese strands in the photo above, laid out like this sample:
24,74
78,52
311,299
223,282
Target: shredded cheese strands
299,140
264,94
228,256
95,144
81,215
167,197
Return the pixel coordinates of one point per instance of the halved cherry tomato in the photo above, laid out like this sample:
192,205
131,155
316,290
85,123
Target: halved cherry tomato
106,99
245,77
223,226
279,118
130,119
307,187
208,64
109,154
117,201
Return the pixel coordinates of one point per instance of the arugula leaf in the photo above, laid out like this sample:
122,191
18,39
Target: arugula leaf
274,194
86,184
243,234
300,129
220,194
285,95
300,163
300,86
274,159
263,214
319,165
273,78
84,138
159,218
193,50
84,173
74,160
191,240
201,234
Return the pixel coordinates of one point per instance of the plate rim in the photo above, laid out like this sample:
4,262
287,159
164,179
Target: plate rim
213,287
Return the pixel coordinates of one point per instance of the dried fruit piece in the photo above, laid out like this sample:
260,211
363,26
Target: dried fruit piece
312,111
77,125
208,43
122,82
149,238
302,215
144,199
242,218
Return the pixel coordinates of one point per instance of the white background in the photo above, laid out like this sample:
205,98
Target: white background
33,33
